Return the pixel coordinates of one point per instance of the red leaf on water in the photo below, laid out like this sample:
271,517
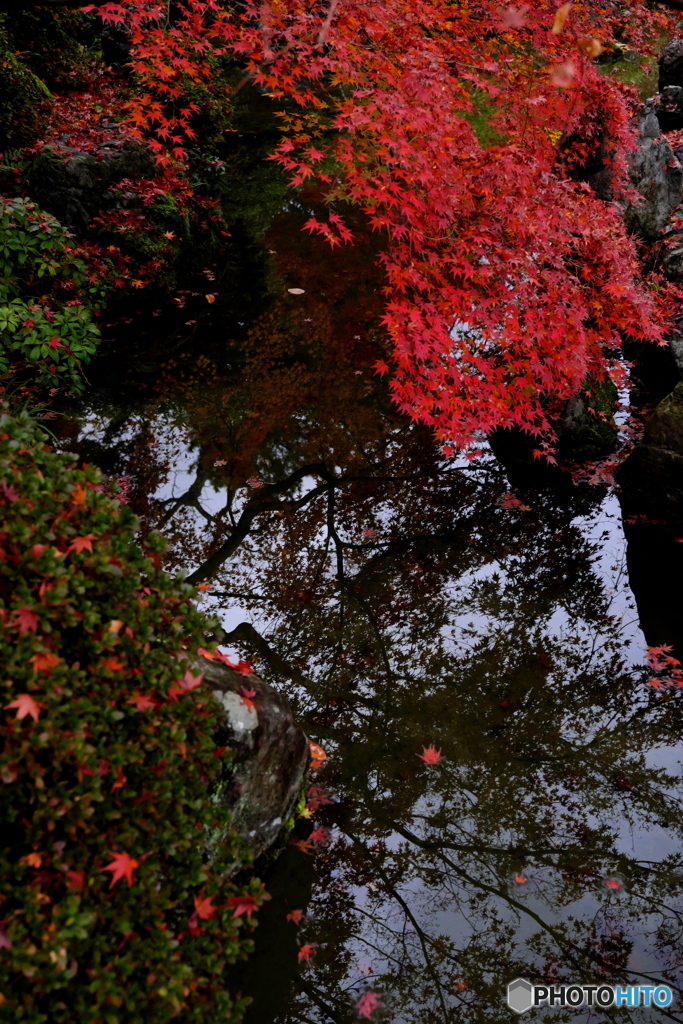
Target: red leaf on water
305,952
430,755
245,904
319,837
368,1003
295,916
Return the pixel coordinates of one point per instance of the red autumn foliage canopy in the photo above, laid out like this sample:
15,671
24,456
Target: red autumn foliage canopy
508,281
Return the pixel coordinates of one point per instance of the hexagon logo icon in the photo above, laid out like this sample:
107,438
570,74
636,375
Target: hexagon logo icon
520,995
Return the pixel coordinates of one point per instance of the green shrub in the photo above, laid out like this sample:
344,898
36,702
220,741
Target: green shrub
108,753
23,96
51,334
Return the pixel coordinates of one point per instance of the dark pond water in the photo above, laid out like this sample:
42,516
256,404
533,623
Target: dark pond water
403,601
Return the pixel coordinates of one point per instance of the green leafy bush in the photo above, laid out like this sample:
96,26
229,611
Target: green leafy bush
23,96
110,909
50,334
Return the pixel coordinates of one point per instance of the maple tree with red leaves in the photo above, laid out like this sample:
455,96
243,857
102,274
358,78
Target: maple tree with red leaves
508,283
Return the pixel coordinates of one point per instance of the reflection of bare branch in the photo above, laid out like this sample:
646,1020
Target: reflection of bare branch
423,938
247,633
190,498
313,994
574,953
263,502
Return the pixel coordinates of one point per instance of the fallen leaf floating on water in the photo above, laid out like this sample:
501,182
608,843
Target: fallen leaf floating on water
305,952
430,755
295,916
612,883
521,878
296,291
367,1003
317,752
320,836
210,298
245,904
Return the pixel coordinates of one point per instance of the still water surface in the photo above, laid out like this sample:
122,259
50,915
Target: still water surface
403,601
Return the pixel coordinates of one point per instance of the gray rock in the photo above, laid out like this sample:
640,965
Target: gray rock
263,783
670,63
73,185
676,346
657,175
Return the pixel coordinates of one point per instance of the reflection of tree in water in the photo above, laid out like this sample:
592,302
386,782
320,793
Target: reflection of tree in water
407,606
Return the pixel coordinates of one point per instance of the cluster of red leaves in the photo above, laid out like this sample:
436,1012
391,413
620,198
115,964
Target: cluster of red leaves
508,281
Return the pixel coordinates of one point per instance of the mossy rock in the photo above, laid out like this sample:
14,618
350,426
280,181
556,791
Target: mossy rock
651,478
23,97
587,430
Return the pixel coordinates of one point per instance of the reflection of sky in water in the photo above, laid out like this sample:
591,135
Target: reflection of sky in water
442,907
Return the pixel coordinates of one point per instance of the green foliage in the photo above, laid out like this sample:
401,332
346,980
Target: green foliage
51,335
115,757
22,96
55,45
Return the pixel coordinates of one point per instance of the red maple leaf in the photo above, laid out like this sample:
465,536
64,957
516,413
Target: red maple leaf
305,952
301,844
204,908
612,883
79,544
367,1003
9,491
142,701
26,705
246,695
245,904
319,836
185,685
44,662
113,664
76,879
122,866
243,667
295,916
430,755
26,620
